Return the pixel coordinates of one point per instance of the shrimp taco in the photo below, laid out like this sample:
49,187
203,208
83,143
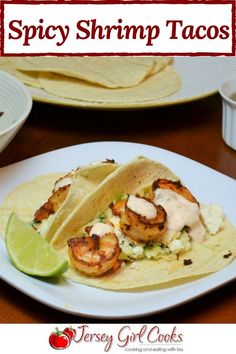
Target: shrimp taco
46,201
142,227
123,227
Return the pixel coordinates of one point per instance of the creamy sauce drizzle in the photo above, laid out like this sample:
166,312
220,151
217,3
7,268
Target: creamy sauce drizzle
142,207
101,229
62,182
180,213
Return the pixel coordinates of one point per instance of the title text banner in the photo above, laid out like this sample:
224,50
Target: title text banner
102,28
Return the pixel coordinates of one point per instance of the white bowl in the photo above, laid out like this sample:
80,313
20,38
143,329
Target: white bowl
15,106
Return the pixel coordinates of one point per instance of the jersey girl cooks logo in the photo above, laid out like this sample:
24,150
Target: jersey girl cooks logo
122,337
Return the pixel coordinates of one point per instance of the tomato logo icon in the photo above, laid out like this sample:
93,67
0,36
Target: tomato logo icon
71,332
59,339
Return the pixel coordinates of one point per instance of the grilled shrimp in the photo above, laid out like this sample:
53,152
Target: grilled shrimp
118,207
95,255
135,224
64,181
59,194
175,186
52,205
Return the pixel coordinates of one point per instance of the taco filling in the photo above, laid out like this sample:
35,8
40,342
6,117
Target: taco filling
160,222
45,213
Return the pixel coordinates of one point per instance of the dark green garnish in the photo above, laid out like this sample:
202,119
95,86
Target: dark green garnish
102,217
119,197
187,262
228,255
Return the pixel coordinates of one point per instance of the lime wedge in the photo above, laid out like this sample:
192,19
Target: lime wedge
31,253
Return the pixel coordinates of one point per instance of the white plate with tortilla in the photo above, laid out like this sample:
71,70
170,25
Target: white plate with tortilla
77,299
200,77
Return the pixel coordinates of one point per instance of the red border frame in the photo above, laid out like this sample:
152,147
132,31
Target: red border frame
112,2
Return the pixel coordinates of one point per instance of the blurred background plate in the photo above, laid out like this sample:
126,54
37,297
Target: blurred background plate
201,77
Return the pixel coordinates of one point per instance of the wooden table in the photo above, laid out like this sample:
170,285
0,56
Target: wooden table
193,130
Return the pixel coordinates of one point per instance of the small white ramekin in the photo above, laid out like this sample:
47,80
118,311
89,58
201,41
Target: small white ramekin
226,90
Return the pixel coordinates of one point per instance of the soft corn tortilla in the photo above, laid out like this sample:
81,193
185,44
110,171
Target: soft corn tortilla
208,257
98,80
85,181
26,198
128,178
110,72
29,78
159,64
162,84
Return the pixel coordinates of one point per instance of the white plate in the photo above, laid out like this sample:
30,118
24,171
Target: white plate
88,301
201,77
